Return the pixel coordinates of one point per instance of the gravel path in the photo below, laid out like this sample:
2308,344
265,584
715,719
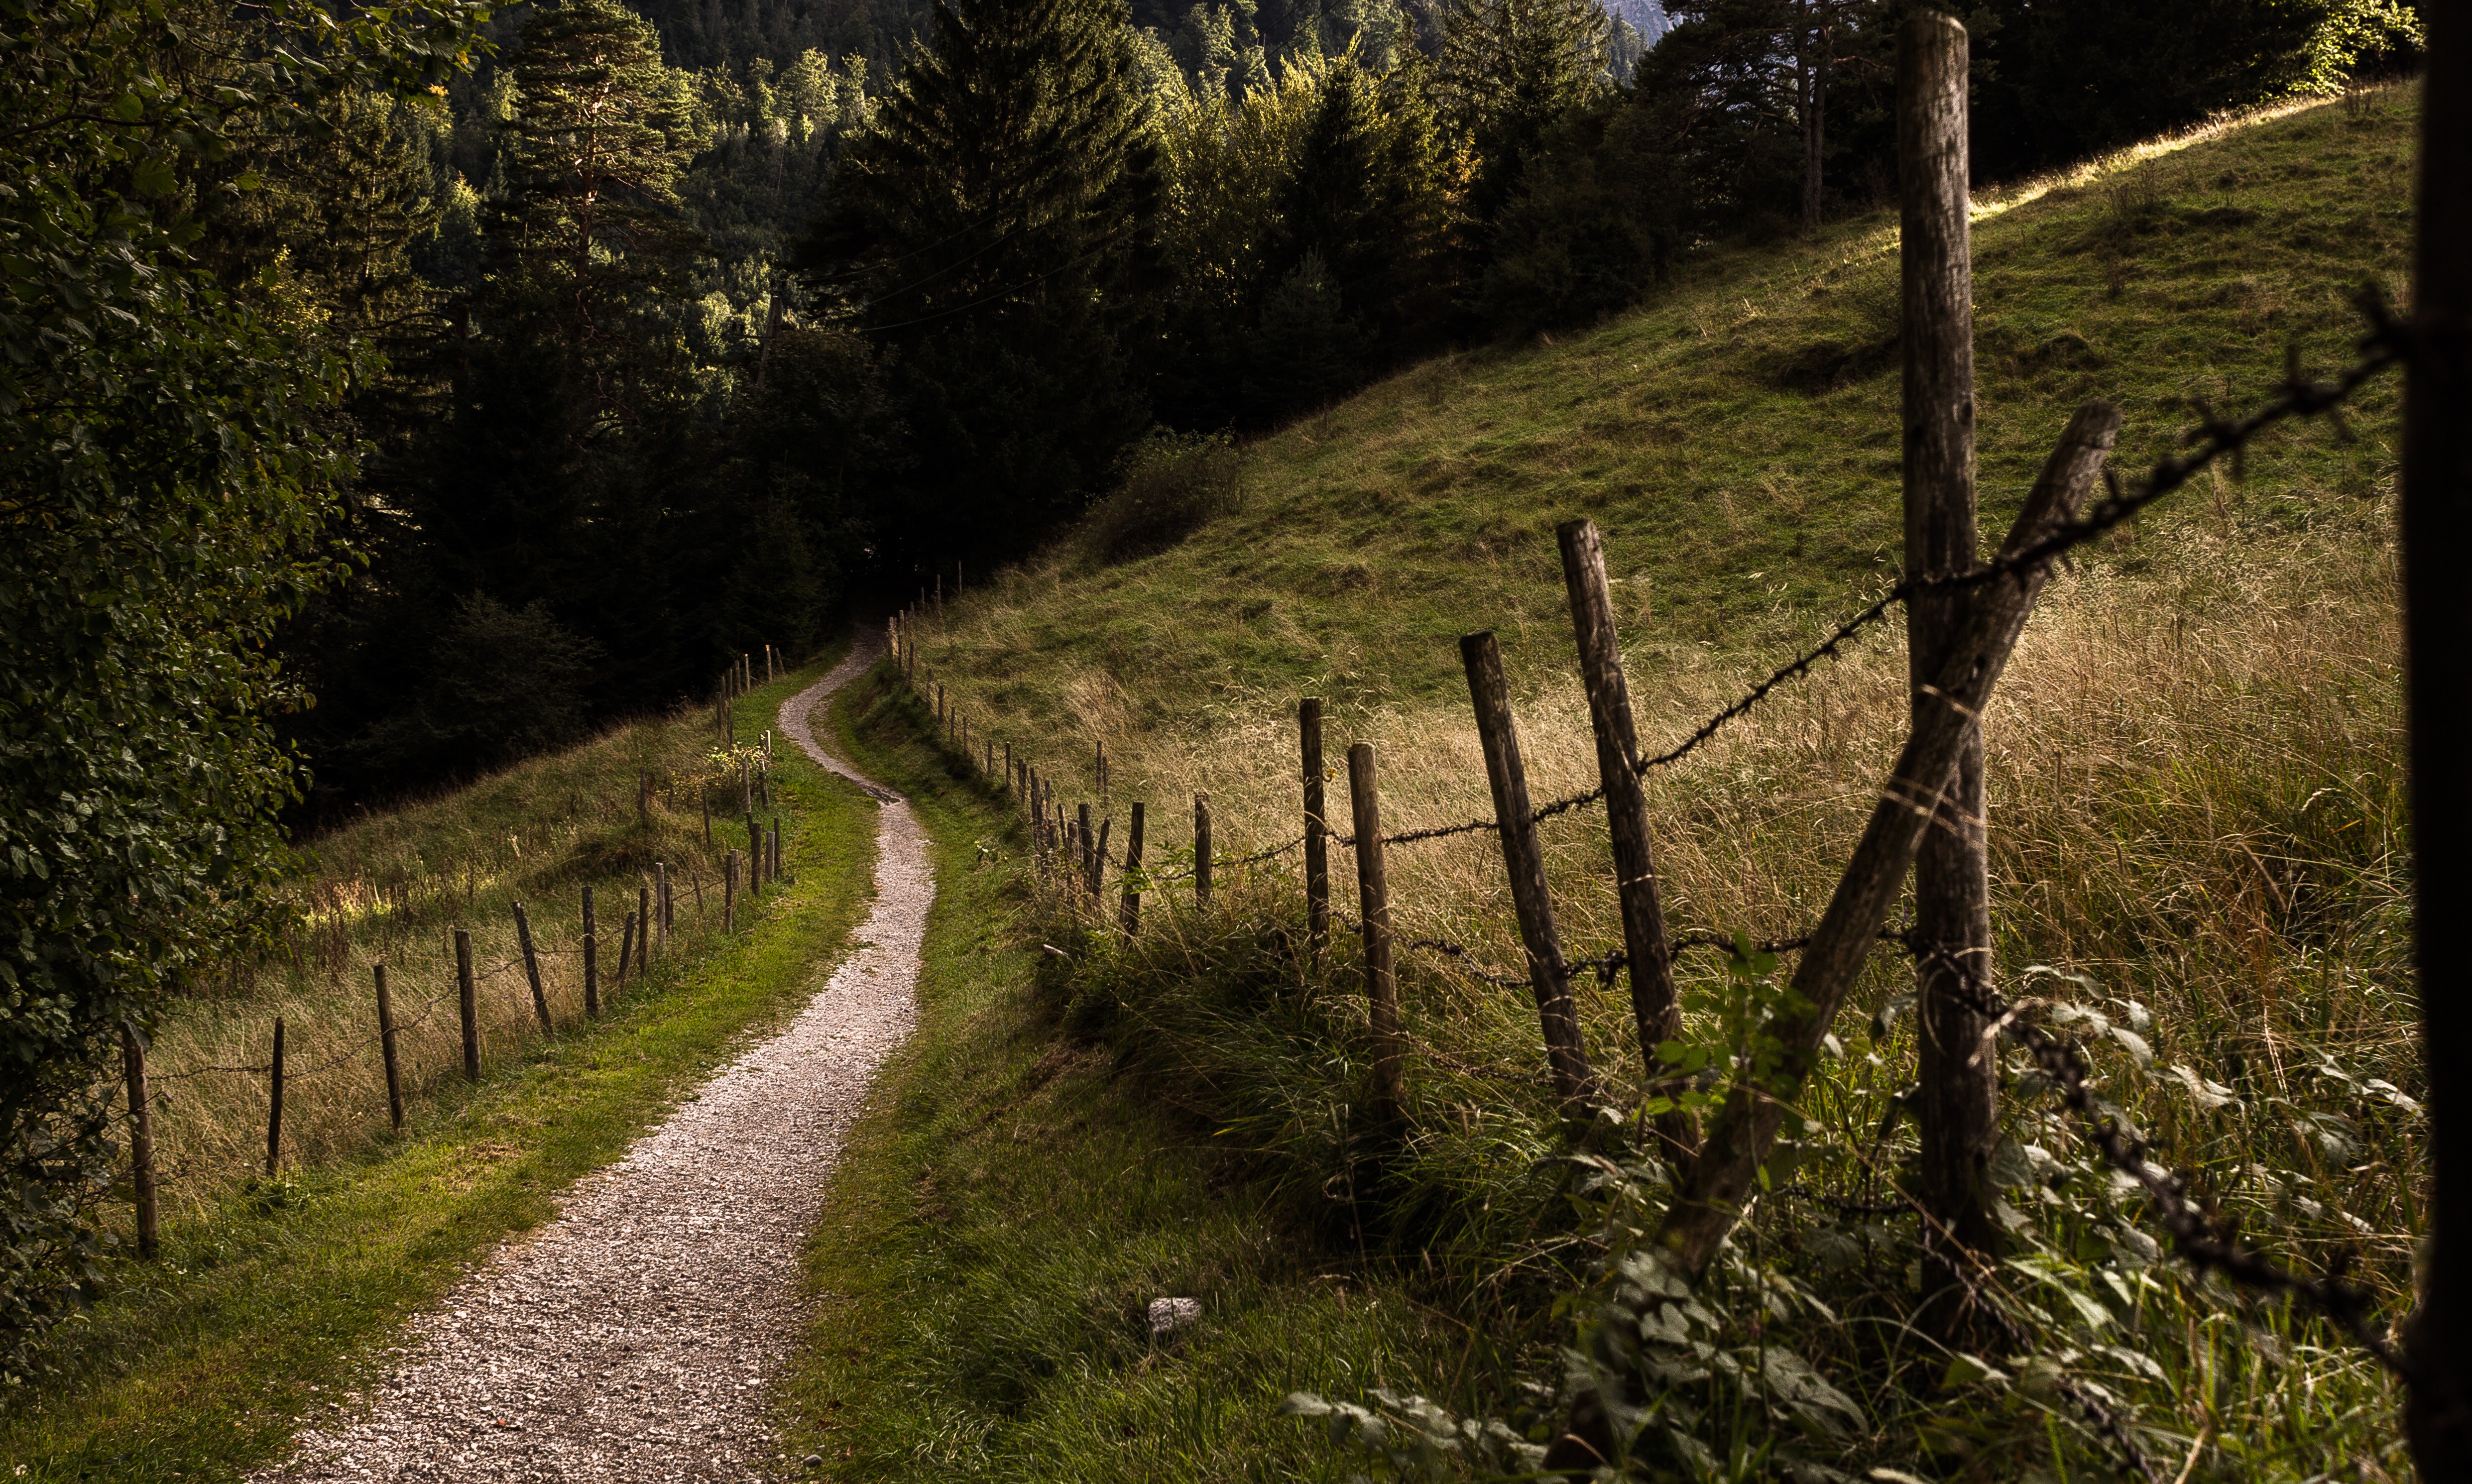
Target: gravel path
633,1337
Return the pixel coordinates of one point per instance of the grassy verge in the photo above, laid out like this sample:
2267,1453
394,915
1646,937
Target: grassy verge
275,1300
1013,1202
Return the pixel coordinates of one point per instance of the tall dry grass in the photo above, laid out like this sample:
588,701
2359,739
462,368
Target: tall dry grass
392,890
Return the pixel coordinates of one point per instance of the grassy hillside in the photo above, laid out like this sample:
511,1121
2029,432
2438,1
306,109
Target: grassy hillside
2194,767
274,1298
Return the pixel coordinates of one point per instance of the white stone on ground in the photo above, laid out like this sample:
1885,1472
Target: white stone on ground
633,1337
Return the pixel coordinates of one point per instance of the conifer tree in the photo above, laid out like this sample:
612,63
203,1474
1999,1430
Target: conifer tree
1511,70
997,221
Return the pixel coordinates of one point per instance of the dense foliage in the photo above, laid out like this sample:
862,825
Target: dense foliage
172,458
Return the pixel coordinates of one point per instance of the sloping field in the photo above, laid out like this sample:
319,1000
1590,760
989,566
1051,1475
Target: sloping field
2195,760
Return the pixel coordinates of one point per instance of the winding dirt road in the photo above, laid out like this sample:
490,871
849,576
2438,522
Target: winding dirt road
634,1336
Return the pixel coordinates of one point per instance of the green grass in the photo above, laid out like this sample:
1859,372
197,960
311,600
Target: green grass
2194,764
1012,1202
270,1302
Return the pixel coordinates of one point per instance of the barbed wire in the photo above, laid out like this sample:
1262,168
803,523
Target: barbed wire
2205,1245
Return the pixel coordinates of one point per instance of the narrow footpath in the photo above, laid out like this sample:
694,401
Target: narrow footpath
635,1337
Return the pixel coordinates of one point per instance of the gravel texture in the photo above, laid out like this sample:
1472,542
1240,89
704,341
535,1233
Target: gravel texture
633,1337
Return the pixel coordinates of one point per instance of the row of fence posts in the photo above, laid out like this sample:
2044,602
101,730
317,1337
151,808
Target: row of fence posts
652,922
1955,627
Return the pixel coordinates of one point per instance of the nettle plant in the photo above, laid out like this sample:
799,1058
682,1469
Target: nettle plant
1818,1350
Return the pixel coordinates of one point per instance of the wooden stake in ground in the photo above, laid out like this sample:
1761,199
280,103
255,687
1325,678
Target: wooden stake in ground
1129,912
1082,851
531,968
591,961
141,1130
661,902
274,1105
729,892
644,930
468,996
1202,850
386,1051
1317,845
1099,860
1490,689
1711,1196
626,950
1655,1006
1957,1111
1373,902
2438,646
754,859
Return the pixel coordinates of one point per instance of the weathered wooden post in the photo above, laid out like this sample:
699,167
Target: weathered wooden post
385,1049
274,1105
1524,859
1655,1006
1710,1199
591,961
1202,850
1099,860
644,930
532,967
661,902
1317,844
2437,647
1957,1110
729,891
754,859
141,1131
1082,854
625,951
1129,912
468,996
1373,902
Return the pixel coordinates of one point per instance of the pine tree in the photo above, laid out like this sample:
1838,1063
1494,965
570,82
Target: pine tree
1511,70
998,223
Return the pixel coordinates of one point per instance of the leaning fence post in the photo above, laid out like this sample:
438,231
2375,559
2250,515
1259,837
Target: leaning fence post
274,1105
1099,860
1129,912
591,961
1202,850
1654,1004
1523,857
625,951
1957,1111
469,997
386,1051
1374,902
1710,1198
1317,847
532,967
1081,853
141,1132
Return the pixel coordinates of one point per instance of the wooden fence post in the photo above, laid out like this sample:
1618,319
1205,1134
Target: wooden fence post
1317,845
1711,1195
386,1051
1129,912
1957,1112
1490,689
729,891
661,902
469,997
2437,645
1655,1006
591,961
531,968
754,859
1202,850
1081,852
643,930
274,1105
1099,860
1373,902
626,953
141,1133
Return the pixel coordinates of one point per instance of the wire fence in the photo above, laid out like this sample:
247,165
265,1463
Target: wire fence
2204,1246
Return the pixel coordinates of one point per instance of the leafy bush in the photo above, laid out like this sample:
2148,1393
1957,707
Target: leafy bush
1171,486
